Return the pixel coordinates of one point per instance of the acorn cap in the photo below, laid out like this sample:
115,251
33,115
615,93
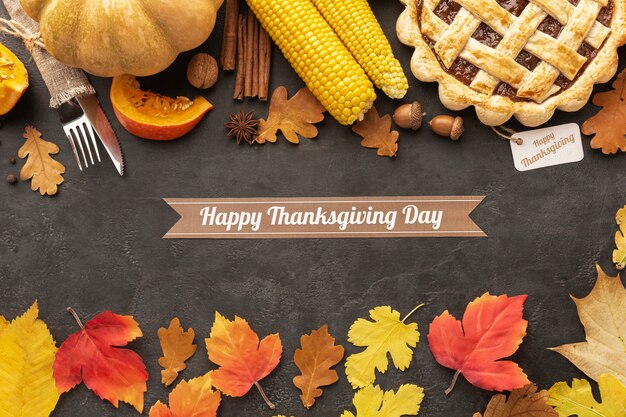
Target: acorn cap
457,129
416,115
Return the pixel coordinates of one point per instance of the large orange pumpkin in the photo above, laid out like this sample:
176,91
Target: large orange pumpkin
13,80
115,37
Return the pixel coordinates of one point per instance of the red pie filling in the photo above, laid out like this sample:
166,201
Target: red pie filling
465,71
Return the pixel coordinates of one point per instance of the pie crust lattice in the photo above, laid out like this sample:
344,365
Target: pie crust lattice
536,91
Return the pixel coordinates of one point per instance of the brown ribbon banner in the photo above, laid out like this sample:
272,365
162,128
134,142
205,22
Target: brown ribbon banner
344,217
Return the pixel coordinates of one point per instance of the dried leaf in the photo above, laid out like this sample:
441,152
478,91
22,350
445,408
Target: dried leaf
619,254
386,335
579,401
46,173
492,329
293,117
94,355
377,134
603,314
195,398
178,346
318,354
523,402
27,349
371,401
609,125
243,360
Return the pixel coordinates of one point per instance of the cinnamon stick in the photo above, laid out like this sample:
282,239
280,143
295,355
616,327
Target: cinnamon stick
265,63
229,41
241,58
250,48
256,59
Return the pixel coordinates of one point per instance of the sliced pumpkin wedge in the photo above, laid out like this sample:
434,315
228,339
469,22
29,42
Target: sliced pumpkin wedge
153,116
13,80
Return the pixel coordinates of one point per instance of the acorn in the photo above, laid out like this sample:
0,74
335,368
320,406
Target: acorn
448,126
409,116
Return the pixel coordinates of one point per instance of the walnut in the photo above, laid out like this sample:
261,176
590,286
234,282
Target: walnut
202,71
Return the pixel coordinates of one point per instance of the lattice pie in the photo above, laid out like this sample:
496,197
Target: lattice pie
514,57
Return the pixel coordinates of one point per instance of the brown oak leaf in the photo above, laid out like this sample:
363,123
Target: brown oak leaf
609,125
318,354
377,134
178,346
293,117
522,402
46,173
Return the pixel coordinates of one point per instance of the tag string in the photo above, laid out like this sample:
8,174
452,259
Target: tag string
16,29
510,132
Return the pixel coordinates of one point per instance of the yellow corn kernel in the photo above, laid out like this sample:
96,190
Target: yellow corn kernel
319,57
355,23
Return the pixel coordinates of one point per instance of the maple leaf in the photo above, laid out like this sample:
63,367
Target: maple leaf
609,125
318,354
377,134
243,360
195,398
46,173
293,117
27,349
94,355
523,402
603,315
387,334
3,323
492,329
371,401
178,346
619,254
578,399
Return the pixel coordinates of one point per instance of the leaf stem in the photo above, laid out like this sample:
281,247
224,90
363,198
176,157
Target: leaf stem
73,313
451,387
267,400
412,311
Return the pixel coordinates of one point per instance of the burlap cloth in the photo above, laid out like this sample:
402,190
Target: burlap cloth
63,82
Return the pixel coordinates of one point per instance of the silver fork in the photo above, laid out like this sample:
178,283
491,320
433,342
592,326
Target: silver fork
79,132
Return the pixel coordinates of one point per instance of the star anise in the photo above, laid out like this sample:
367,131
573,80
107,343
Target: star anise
242,127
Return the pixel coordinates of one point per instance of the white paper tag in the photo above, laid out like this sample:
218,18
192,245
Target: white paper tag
547,147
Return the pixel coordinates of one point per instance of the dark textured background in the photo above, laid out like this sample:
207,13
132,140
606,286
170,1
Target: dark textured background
97,245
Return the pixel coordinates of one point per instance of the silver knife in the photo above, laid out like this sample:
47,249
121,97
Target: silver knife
102,126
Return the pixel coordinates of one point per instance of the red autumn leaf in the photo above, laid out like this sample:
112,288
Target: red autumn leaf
93,355
243,360
492,329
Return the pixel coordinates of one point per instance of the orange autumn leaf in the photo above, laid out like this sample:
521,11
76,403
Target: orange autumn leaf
609,125
178,346
195,398
492,329
293,117
243,360
94,355
377,134
318,354
46,173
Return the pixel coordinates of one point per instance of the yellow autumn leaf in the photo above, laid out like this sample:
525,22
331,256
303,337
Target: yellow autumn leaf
371,401
27,387
619,254
386,334
603,315
578,399
3,323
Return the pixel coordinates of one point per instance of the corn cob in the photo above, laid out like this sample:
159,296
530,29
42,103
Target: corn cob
319,57
355,23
